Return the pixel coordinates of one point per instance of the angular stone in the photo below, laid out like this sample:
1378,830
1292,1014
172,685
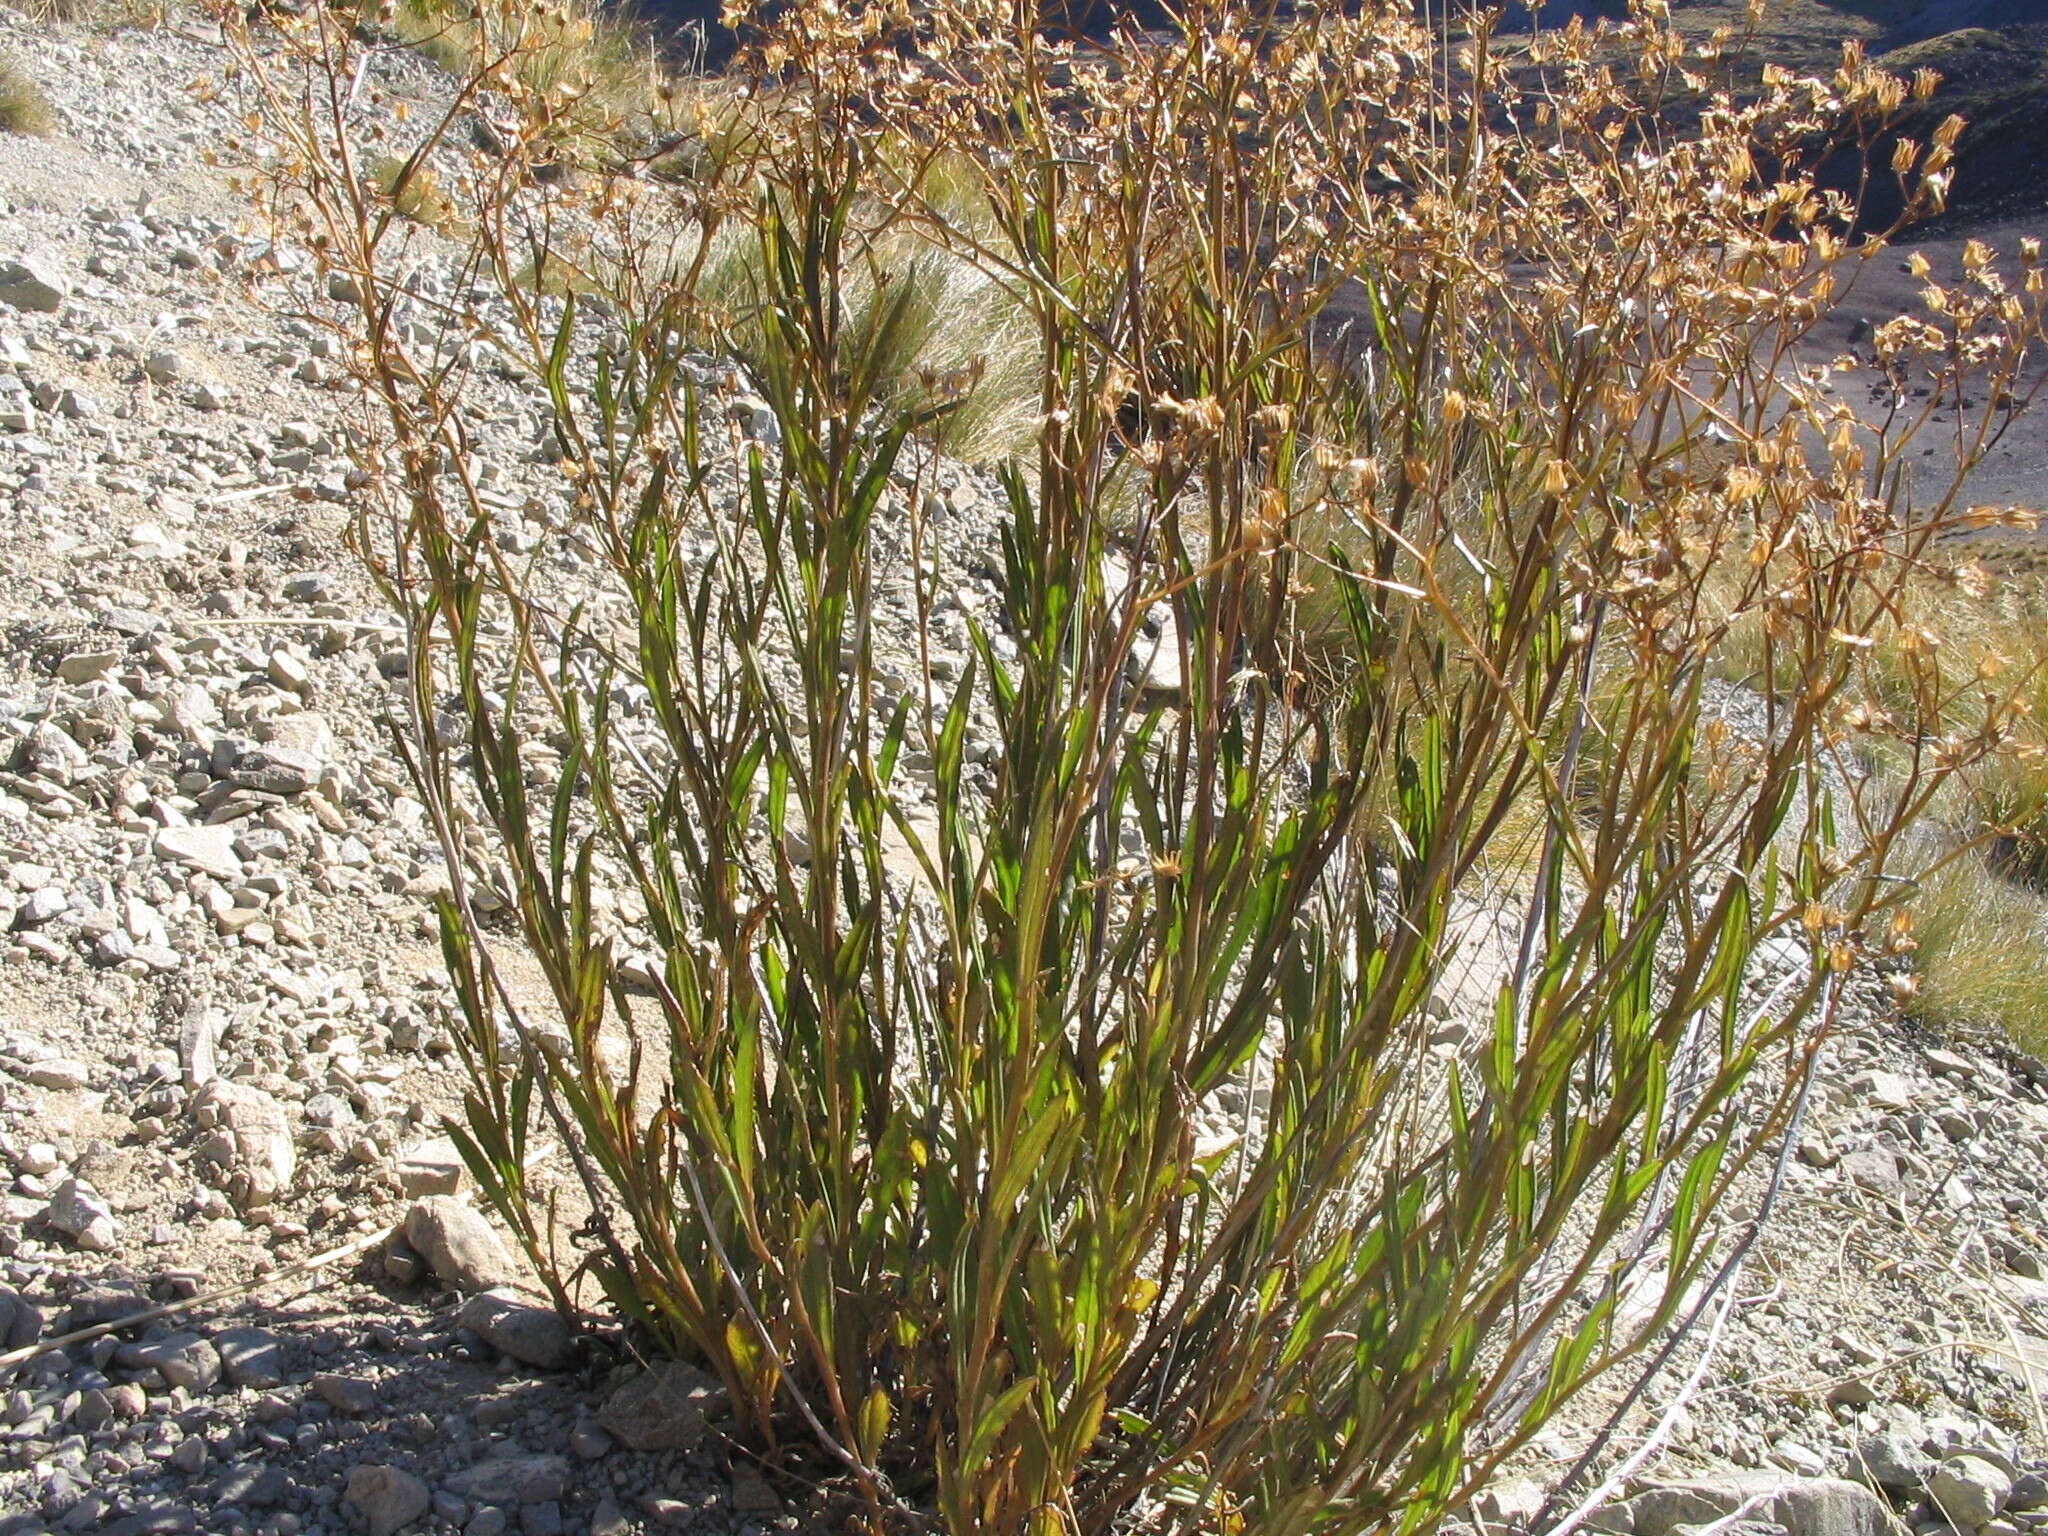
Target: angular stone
1893,1461
107,1303
32,282
2029,1492
21,1320
251,1357
351,1395
387,1499
182,1359
210,850
76,1208
402,1262
59,1073
751,1494
305,732
132,622
458,1244
276,770
252,1487
288,672
1950,1064
156,1520
88,666
311,587
513,1480
663,1409
165,366
1818,1506
190,712
1876,1172
262,1158
95,1411
431,1168
516,1326
1883,1090
198,1034
1970,1490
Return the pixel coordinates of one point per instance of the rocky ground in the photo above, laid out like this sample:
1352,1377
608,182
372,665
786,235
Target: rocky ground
222,1062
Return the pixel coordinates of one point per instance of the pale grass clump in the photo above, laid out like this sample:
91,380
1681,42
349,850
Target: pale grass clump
1129,1133
99,13
1981,956
1979,868
606,92
24,107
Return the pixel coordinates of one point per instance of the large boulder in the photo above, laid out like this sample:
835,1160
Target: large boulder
1970,1490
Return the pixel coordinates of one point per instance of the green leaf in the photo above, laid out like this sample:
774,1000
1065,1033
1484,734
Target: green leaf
994,1419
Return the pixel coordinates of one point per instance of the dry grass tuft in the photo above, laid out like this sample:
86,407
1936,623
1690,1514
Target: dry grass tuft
106,14
1980,862
622,98
24,108
1983,956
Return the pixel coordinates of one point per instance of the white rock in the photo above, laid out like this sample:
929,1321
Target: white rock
1969,1490
257,1139
1882,1090
76,1208
210,850
386,1499
61,1073
431,1168
87,666
458,1244
1949,1064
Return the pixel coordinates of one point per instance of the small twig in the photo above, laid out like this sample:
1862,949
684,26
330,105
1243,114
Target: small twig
249,493
348,1249
360,626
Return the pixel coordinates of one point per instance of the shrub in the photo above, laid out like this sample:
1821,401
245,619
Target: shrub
1142,1133
23,106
